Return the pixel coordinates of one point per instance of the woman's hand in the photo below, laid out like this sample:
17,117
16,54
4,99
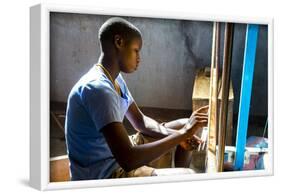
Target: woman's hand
192,143
197,120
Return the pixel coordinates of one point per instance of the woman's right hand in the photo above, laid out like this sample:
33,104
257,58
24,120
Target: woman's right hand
197,120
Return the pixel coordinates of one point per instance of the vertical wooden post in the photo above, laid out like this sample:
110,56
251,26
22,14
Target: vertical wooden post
228,40
213,102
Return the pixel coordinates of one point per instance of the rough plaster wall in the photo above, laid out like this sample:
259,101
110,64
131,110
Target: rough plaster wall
165,77
73,48
172,51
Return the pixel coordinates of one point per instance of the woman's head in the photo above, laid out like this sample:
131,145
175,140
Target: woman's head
121,38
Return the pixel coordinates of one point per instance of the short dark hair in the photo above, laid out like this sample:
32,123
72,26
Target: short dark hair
117,26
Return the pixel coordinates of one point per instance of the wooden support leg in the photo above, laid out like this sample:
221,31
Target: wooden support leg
228,38
213,103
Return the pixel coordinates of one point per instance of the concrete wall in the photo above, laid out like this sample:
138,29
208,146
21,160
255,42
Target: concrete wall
172,51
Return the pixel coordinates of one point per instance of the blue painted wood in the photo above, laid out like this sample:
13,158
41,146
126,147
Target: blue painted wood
245,95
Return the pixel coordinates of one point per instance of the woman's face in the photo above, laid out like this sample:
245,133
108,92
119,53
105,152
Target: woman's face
129,55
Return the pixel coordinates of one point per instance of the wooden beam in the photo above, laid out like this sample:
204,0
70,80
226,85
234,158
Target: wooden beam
226,70
213,102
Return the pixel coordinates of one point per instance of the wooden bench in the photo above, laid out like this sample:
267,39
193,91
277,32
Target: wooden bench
59,169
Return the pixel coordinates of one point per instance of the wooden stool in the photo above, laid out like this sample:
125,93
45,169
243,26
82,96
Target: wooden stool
59,169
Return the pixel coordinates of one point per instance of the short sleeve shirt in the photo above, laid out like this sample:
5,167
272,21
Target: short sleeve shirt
92,104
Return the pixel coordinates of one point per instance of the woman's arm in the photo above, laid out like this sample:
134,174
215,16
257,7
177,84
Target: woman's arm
176,124
149,126
131,157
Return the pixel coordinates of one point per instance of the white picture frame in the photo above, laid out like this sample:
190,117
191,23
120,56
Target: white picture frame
40,87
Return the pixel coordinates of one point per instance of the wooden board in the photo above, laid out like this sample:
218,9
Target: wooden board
212,125
213,102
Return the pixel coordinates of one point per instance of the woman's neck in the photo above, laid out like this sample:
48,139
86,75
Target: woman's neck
111,65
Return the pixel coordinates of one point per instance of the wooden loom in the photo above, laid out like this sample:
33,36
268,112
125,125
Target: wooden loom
218,117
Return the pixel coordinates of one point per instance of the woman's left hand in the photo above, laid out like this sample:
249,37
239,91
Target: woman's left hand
191,143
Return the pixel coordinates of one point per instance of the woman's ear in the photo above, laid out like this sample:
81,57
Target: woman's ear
118,41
